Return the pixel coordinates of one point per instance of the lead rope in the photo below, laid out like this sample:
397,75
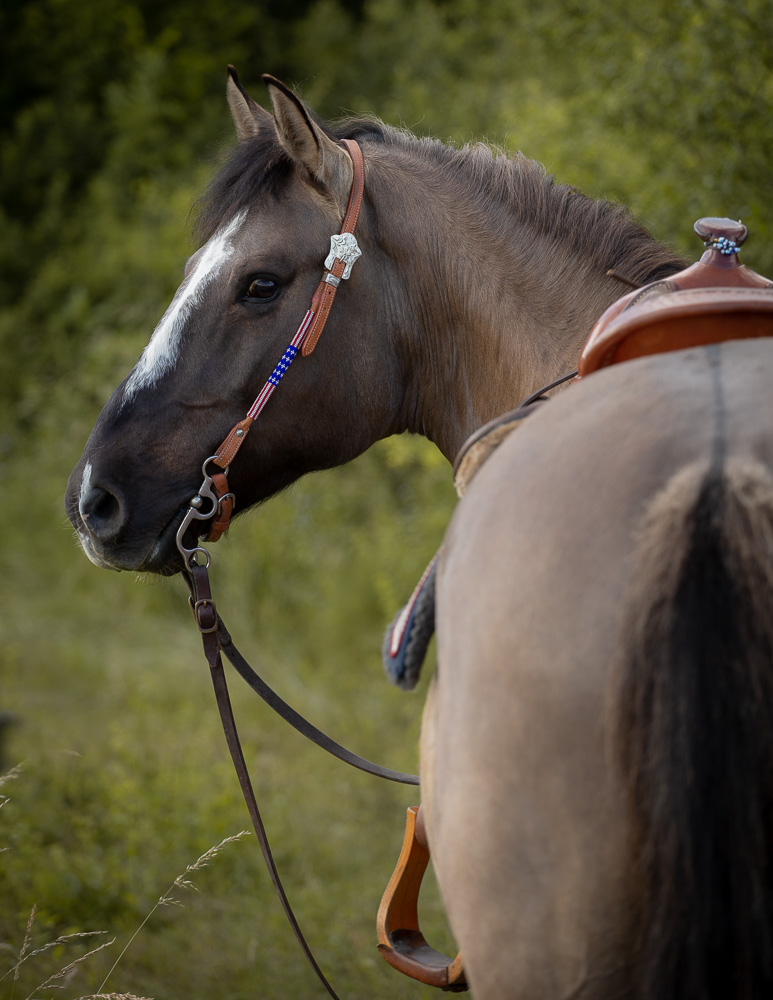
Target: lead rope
215,502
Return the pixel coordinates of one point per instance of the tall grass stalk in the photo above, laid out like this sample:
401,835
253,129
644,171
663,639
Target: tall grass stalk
52,980
167,899
25,955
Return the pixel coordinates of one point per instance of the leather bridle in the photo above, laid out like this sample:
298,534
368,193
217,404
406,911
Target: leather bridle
215,501
344,251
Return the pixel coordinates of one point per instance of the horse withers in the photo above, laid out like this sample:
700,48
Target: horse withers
564,787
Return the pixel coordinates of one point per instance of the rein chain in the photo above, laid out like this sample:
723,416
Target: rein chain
216,640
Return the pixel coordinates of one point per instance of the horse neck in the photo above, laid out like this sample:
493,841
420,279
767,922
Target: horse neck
497,313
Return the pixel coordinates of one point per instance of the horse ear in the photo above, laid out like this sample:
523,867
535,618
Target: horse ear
305,141
249,118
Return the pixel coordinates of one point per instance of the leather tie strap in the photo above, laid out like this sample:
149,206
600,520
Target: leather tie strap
225,507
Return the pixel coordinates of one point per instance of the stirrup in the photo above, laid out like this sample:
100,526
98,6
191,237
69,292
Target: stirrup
399,939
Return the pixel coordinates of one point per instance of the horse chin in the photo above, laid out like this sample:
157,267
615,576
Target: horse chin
162,557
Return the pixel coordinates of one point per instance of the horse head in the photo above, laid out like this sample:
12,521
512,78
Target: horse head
266,233
480,279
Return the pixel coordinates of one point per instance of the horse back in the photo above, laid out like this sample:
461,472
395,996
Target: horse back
542,580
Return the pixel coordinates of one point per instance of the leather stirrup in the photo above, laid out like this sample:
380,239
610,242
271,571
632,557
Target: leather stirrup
400,940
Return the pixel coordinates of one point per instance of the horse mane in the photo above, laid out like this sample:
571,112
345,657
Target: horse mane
595,229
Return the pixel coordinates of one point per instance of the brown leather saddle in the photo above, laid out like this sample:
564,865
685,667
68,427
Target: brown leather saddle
715,300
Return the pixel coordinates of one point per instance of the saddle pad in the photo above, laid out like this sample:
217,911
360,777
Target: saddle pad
480,445
407,638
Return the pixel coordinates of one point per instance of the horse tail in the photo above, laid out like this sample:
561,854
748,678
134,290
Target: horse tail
694,721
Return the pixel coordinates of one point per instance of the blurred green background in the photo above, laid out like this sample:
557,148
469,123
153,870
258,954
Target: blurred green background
112,118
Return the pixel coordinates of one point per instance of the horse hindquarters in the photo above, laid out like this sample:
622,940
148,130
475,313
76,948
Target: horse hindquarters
557,628
695,729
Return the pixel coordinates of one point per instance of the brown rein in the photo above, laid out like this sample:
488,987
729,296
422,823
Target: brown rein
217,642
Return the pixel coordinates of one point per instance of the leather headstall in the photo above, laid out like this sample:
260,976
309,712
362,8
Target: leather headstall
214,502
344,251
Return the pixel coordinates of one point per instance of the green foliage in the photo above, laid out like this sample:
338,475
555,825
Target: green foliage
663,107
111,118
127,776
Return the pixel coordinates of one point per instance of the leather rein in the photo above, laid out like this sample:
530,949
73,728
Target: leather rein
215,501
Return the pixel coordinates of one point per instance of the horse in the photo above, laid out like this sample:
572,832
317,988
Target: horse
561,708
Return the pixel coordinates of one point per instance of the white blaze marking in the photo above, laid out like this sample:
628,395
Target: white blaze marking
83,536
162,352
85,485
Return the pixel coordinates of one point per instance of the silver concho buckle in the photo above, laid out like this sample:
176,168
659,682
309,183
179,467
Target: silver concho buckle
343,247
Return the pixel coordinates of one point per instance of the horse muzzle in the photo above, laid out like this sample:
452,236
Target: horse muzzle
101,515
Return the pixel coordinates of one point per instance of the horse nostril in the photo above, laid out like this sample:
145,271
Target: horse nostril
102,512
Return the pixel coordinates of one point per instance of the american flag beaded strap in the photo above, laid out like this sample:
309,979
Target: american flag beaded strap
277,374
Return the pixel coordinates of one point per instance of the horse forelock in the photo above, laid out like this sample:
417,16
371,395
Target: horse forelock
254,169
260,167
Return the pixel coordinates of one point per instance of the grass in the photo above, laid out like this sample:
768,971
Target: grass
61,977
126,772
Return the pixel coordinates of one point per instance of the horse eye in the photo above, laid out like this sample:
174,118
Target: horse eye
262,288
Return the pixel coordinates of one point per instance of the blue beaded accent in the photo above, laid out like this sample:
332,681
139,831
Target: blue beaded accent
284,363
724,245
